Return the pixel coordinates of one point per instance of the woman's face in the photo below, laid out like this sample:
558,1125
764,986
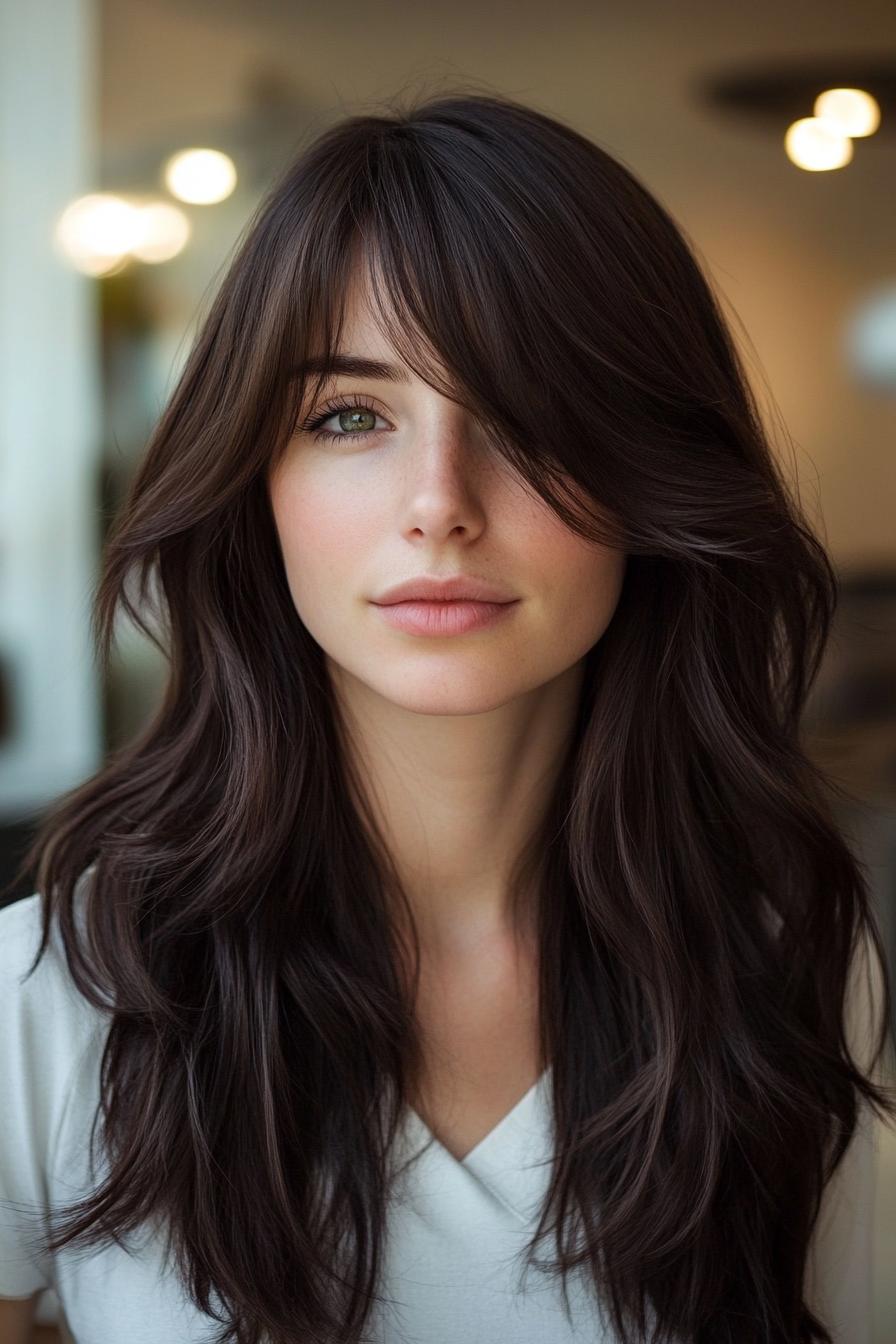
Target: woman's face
425,493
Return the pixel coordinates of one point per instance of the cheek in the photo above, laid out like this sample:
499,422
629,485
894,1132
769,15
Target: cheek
580,581
325,534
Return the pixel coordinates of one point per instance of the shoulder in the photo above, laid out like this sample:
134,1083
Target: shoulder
43,1005
47,1024
839,1270
48,1028
19,935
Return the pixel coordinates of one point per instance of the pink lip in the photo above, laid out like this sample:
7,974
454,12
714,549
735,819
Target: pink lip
443,618
434,588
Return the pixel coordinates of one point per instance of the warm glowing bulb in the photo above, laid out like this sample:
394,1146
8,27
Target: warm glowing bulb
200,176
814,144
164,232
96,232
852,112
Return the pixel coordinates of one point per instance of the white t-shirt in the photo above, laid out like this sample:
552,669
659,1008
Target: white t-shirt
457,1229
454,1232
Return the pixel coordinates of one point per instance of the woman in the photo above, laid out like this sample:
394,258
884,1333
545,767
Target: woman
412,936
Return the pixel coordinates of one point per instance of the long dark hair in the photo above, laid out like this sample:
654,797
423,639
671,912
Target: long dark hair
699,911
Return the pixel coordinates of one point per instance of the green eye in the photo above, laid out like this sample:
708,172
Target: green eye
355,410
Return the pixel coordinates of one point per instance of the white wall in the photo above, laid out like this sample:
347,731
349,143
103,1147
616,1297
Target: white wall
49,403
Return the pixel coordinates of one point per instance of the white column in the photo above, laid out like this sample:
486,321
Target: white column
50,410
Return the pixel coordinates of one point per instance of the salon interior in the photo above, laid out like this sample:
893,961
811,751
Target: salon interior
144,133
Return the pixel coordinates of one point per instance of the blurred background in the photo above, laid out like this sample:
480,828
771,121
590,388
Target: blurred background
136,138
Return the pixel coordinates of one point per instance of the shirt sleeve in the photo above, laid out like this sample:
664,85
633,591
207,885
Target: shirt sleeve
839,1282
38,1046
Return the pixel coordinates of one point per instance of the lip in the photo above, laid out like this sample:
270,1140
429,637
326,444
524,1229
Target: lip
444,618
427,588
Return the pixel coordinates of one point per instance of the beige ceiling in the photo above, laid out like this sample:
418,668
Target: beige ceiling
621,70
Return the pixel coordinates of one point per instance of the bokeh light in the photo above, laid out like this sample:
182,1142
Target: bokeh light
852,112
815,145
96,232
200,176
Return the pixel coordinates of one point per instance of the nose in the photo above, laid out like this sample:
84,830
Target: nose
444,476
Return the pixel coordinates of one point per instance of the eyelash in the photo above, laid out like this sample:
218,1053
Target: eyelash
352,403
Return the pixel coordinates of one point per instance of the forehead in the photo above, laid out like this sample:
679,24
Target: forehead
359,315
363,324
375,336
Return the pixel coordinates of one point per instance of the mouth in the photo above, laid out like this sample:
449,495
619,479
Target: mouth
441,617
447,588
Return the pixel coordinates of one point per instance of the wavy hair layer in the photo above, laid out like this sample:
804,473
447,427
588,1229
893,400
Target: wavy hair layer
698,908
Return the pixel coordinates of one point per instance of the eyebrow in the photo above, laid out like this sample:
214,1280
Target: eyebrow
351,366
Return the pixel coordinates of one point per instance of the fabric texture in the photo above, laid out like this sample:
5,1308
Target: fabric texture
457,1229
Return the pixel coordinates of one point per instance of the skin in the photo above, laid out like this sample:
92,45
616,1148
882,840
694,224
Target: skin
460,738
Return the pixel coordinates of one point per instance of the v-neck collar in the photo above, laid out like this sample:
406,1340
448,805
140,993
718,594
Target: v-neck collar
512,1161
